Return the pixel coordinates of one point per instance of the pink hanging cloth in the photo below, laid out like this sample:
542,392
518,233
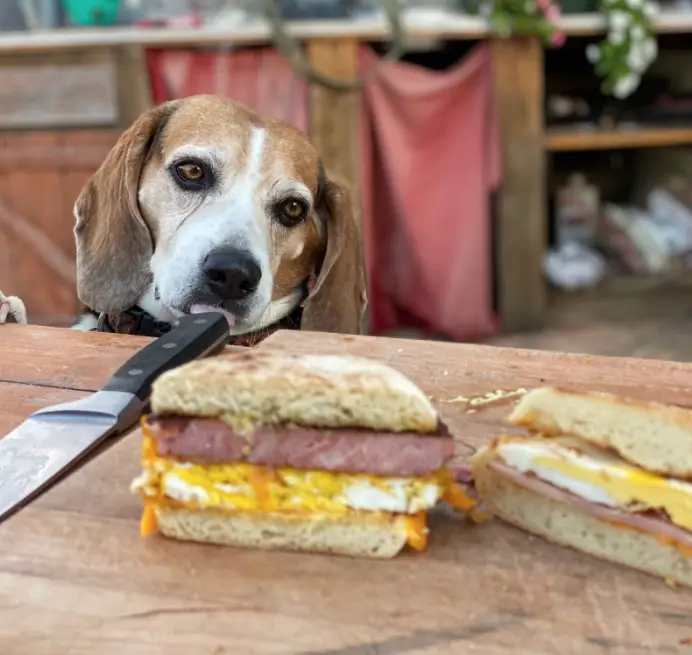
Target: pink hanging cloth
258,77
430,159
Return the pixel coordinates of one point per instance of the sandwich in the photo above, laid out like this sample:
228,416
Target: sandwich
606,475
320,453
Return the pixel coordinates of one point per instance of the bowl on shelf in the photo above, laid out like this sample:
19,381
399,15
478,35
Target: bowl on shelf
92,12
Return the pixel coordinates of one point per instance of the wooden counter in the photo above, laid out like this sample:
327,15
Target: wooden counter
75,577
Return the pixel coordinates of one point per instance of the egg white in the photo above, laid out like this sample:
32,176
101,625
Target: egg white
599,476
522,455
389,496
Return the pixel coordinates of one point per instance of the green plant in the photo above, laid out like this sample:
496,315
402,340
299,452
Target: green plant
629,48
526,17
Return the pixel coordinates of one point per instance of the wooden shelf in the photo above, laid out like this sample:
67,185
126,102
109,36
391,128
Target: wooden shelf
616,284
253,32
567,139
256,32
621,285
623,297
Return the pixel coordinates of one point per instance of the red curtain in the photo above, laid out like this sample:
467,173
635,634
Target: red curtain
430,159
259,77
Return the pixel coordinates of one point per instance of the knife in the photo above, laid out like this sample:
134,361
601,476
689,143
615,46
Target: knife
53,440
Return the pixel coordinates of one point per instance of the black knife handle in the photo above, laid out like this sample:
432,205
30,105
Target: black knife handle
193,337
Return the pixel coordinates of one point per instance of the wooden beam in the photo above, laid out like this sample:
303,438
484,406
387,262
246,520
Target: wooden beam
521,208
258,32
334,114
134,87
566,139
334,125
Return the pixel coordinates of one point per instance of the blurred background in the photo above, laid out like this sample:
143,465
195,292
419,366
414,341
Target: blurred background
524,167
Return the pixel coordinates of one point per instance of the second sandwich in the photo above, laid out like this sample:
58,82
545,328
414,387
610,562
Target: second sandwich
606,475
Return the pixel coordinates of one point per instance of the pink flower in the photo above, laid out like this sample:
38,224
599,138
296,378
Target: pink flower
552,13
543,5
557,40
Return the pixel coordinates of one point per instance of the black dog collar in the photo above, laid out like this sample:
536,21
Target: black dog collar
139,322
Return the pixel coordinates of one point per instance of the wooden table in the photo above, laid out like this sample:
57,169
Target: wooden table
77,579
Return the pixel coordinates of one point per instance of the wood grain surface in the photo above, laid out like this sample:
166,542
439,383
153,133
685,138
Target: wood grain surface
56,357
17,401
75,577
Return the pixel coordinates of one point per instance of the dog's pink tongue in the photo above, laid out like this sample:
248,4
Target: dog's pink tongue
200,309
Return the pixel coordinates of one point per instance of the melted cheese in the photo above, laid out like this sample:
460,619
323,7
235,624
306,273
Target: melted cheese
599,476
251,488
417,531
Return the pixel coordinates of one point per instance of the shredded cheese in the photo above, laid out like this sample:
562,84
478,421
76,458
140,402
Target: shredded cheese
417,531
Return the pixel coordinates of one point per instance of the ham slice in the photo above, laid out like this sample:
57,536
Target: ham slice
208,440
652,524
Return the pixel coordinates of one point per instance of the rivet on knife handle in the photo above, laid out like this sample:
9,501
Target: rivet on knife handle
193,337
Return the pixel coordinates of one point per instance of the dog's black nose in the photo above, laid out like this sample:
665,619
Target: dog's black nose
231,274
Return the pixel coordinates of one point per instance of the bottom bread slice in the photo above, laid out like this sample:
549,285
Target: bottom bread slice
562,524
361,535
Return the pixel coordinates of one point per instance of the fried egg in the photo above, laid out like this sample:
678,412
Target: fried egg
598,476
241,486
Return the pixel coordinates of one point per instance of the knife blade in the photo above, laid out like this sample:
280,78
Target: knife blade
53,440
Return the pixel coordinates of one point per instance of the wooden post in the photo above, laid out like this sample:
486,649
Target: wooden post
334,124
521,208
334,114
134,89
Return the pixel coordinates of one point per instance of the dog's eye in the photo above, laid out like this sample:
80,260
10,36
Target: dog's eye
291,211
190,172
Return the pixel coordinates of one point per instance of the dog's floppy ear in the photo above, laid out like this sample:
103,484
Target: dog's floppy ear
114,244
338,299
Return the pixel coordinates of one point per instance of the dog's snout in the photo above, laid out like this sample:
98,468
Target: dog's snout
232,274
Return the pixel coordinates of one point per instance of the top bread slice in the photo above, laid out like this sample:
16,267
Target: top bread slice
256,388
650,435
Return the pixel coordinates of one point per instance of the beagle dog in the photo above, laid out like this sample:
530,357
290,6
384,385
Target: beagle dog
204,205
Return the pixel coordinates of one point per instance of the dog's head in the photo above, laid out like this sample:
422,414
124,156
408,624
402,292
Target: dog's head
204,204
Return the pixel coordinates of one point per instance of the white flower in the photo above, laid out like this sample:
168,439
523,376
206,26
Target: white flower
636,59
616,37
651,9
626,85
635,4
619,20
650,49
638,33
593,53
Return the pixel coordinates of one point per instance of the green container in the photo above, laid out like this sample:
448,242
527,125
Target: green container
92,12
578,6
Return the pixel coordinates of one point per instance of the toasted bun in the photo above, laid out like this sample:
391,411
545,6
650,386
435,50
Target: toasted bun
653,436
563,525
256,388
362,535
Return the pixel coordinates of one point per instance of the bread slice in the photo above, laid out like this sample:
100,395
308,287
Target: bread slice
255,388
653,436
362,535
564,525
